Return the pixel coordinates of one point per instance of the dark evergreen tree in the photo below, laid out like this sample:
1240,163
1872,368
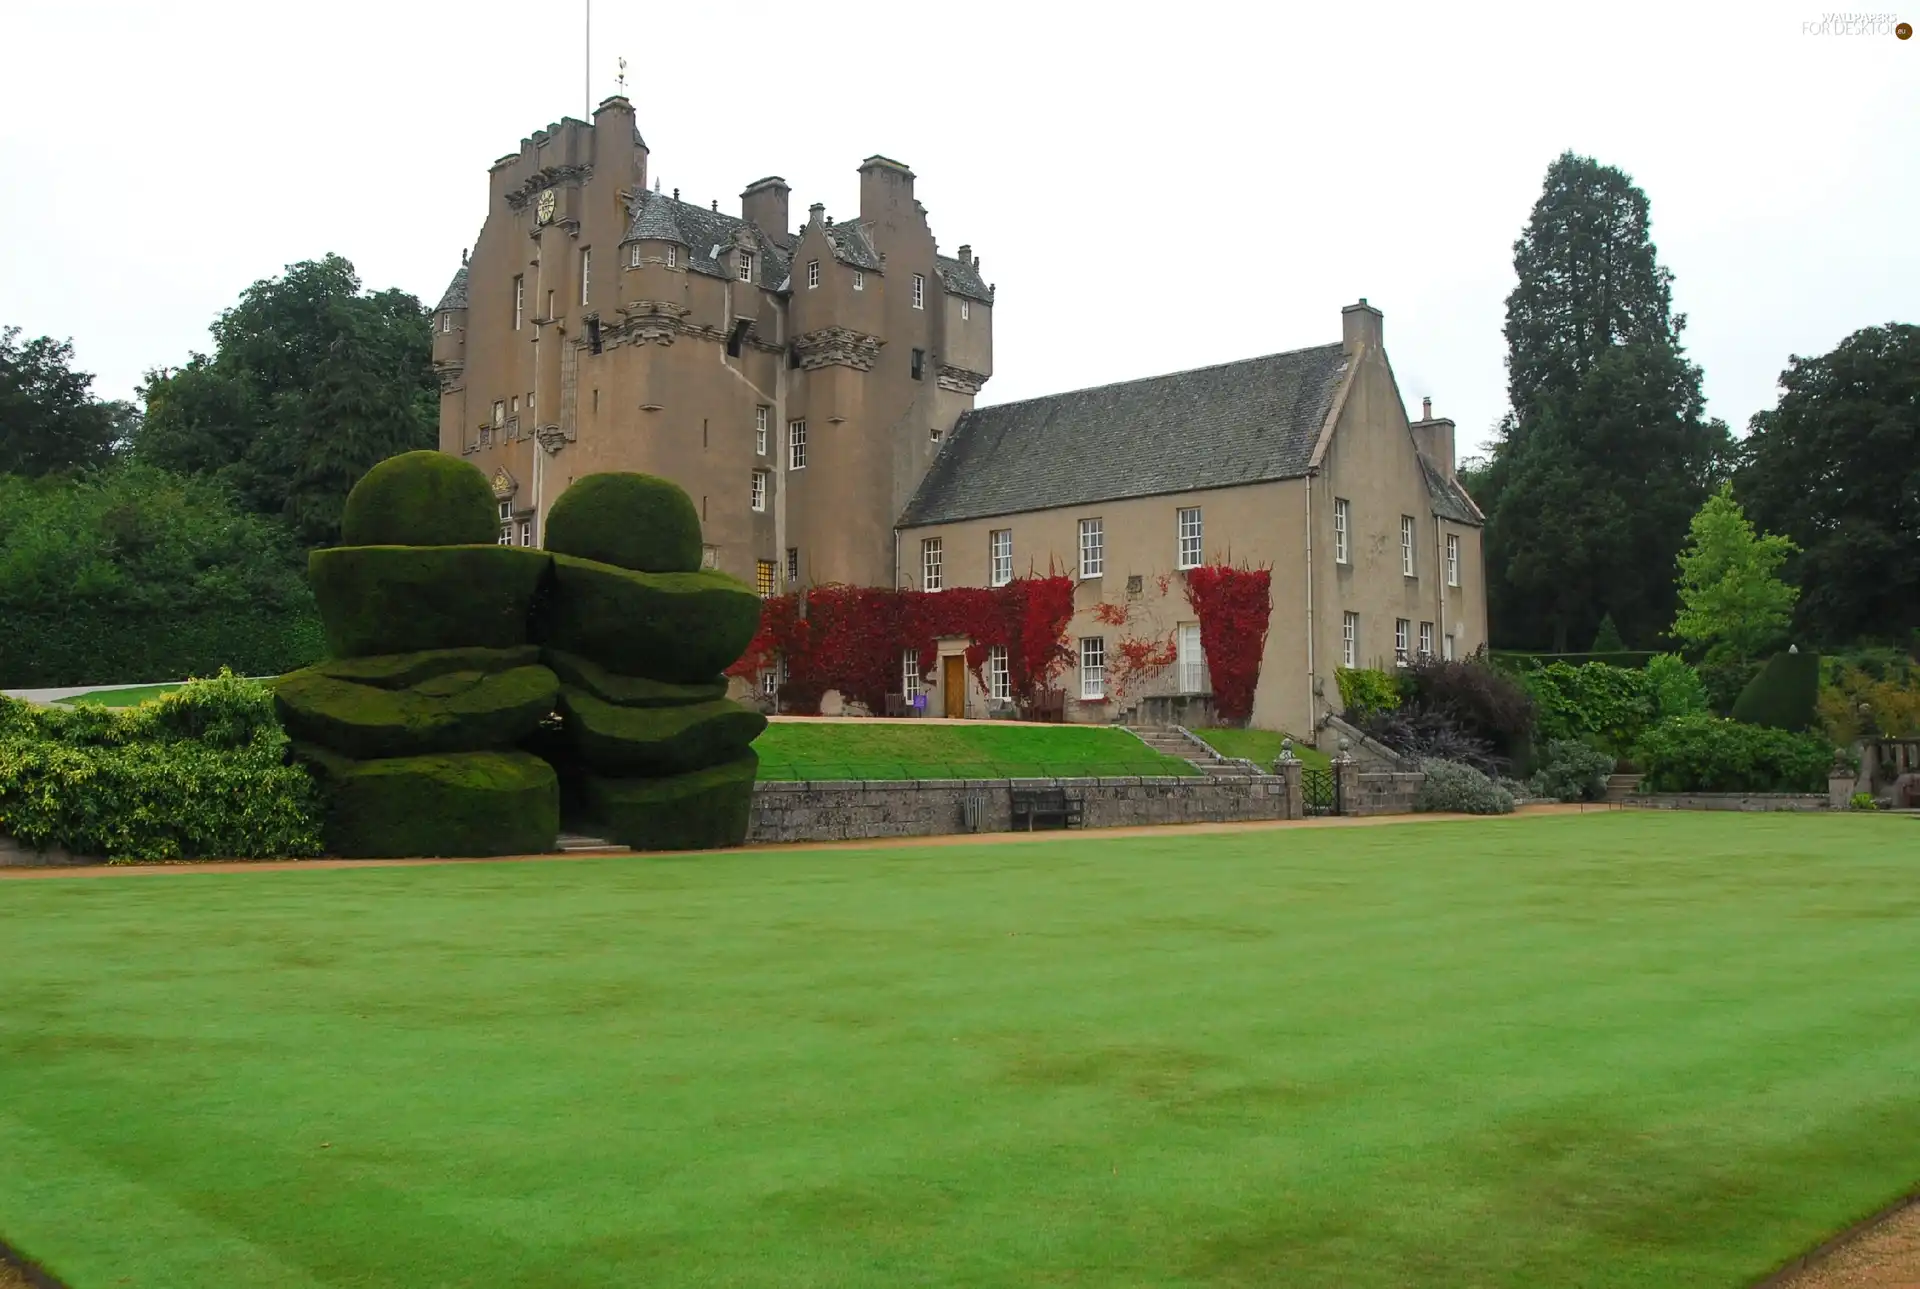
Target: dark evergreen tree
1605,454
312,382
49,419
1835,466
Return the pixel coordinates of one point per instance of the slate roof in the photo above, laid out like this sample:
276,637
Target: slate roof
700,230
1450,500
960,278
1214,427
853,244
456,296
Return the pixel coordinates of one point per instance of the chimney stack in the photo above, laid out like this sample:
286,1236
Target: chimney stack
764,205
886,185
1360,327
816,213
1426,409
966,255
1434,438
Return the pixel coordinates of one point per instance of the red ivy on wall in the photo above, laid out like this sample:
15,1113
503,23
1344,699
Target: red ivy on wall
854,638
1234,606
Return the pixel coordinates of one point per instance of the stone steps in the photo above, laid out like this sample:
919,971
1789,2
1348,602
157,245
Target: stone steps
1173,743
570,843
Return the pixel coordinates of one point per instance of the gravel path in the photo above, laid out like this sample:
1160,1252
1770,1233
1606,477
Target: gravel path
1884,1256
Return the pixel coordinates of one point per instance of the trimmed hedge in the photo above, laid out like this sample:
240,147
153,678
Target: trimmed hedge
403,670
404,599
699,811
1525,659
1710,754
40,649
452,804
681,627
1784,696
455,711
627,691
633,521
423,498
657,740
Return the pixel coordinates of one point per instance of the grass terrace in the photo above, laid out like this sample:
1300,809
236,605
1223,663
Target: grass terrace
1608,1049
1261,746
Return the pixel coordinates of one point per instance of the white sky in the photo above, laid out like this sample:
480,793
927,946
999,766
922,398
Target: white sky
1152,188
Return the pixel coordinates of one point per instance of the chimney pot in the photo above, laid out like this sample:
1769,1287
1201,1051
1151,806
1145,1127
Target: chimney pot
676,194
1426,409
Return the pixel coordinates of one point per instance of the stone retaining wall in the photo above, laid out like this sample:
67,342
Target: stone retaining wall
1385,793
859,809
1727,801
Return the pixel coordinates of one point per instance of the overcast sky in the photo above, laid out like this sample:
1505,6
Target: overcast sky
1151,188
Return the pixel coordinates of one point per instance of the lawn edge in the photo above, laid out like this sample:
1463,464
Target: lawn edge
1783,1277
11,1259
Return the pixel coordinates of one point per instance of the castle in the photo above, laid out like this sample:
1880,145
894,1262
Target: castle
812,389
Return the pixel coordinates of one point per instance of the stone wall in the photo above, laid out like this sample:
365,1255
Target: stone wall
1381,793
1728,801
859,809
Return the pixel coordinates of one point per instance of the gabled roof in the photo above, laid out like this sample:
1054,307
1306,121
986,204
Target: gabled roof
456,295
1214,427
1450,500
960,278
853,244
701,231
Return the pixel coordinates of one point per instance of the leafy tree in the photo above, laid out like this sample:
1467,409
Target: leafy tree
49,419
1835,466
1733,603
312,382
1604,452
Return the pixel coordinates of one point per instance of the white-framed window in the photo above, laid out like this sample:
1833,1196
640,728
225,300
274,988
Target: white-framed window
529,402
1190,543
1447,645
930,564
1093,549
1192,660
1453,561
1000,556
709,556
499,413
513,405
526,532
1402,629
506,511
813,274
1341,516
859,280
909,672
796,445
746,266
1406,545
1093,666
633,256
673,257
506,536
519,301
999,679
770,683
966,310
1350,640
446,323
759,489
1426,639
586,273
919,292
761,415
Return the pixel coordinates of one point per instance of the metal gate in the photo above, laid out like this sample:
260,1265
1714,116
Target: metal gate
1319,792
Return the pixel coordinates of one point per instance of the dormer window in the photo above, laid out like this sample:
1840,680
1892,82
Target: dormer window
746,266
813,274
859,280
919,292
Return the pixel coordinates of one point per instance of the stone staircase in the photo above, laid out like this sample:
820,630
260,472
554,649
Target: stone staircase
1176,742
573,843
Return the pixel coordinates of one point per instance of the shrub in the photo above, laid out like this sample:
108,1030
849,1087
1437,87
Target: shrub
1711,754
1488,704
1725,674
1674,687
685,628
658,741
1453,788
422,498
1784,695
1424,733
405,599
1366,690
456,711
199,774
632,521
460,803
1892,700
1574,771
1862,801
1607,705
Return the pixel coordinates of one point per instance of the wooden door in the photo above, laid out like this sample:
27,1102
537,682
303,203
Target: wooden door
953,685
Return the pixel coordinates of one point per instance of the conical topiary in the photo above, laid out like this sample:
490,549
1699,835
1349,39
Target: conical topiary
1784,695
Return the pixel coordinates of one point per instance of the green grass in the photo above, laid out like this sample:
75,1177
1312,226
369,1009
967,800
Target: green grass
988,750
1613,1049
1260,746
132,696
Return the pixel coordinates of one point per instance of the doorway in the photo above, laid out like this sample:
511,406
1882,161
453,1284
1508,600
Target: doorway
953,686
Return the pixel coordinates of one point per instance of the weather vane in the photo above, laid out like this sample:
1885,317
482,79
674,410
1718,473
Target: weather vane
621,79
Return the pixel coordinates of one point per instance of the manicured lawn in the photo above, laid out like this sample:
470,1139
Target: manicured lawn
1615,1049
988,750
1260,746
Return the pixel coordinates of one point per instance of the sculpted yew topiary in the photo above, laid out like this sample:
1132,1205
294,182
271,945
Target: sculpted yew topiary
420,499
633,521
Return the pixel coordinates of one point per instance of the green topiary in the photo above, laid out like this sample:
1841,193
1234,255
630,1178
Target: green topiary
628,691
456,804
685,628
698,811
1784,695
456,711
402,670
634,521
657,740
422,498
404,599
1607,638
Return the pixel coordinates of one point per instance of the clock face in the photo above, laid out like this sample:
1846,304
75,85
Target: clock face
543,210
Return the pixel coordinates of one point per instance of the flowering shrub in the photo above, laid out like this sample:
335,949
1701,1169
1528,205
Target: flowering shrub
1234,606
1452,788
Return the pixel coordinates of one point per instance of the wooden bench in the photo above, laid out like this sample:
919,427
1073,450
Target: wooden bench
1049,806
900,705
1051,707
